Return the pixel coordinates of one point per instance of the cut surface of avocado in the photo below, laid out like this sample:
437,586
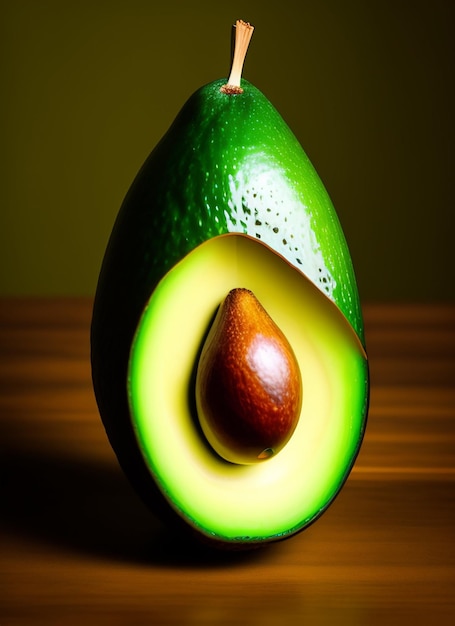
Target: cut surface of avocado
276,498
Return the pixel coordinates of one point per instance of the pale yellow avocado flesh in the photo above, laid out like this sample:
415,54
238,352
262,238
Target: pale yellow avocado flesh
283,494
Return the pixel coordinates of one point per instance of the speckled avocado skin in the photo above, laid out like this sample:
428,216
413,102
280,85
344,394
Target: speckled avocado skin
228,163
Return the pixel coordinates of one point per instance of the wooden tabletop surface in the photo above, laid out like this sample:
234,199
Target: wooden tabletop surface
79,548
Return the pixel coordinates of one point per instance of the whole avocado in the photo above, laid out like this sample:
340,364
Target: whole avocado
229,164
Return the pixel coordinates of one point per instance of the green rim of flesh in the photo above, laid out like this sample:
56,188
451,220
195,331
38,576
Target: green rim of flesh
285,493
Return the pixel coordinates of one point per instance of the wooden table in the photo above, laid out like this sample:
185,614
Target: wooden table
79,548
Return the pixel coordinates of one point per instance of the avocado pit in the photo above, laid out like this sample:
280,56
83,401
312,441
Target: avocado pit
248,382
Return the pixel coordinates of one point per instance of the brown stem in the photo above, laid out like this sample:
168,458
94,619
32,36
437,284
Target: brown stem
243,34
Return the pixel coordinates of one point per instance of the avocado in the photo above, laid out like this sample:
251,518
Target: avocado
228,200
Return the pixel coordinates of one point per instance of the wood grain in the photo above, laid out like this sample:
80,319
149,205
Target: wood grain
78,547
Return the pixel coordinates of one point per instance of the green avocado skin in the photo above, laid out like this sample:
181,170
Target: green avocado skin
199,182
185,192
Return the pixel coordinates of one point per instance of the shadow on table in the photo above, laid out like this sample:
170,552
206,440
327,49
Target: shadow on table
82,506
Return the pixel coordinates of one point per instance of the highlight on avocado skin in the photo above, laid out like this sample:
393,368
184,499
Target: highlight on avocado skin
228,215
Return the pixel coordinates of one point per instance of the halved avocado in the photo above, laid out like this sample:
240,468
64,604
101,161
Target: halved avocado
221,501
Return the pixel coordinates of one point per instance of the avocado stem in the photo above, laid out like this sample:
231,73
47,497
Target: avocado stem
243,34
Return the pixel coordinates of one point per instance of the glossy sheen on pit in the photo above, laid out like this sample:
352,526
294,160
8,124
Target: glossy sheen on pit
248,384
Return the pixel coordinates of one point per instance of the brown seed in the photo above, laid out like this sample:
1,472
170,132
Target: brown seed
248,384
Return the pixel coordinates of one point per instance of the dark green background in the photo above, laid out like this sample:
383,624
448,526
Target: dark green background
89,86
